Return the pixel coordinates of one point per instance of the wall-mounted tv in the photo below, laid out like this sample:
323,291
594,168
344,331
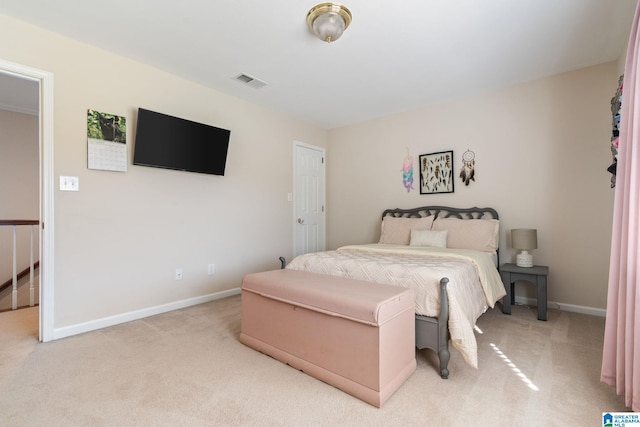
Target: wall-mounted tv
164,141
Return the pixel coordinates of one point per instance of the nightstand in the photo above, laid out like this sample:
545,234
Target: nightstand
537,275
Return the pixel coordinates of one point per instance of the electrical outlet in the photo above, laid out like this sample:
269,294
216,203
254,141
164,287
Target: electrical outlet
178,274
211,269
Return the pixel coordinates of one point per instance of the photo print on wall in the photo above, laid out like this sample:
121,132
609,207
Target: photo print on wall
106,141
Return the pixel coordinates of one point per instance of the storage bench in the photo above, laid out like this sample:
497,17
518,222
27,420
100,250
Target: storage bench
355,335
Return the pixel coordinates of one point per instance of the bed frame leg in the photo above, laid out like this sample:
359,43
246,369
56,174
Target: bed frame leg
283,262
433,332
443,332
444,356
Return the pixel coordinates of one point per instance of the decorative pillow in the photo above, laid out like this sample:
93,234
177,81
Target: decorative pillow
397,231
477,234
432,238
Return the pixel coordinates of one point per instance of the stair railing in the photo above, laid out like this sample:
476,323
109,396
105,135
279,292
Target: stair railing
14,294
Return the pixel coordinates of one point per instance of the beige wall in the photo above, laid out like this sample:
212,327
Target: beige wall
19,173
119,239
620,63
542,150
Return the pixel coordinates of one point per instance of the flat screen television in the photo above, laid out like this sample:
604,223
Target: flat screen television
168,142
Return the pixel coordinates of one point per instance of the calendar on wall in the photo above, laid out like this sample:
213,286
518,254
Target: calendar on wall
106,141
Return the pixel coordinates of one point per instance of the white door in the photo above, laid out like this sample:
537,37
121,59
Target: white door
309,199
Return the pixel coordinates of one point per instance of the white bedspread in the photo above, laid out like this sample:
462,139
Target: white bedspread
474,282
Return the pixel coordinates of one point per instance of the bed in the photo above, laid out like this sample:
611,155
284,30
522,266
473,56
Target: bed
449,256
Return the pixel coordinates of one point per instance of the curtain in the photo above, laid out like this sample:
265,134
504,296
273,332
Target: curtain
621,351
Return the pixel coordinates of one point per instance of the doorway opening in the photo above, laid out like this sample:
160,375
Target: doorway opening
42,81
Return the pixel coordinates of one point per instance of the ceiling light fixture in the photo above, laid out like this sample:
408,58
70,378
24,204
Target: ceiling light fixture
328,21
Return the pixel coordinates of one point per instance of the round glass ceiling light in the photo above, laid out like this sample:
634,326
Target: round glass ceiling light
328,21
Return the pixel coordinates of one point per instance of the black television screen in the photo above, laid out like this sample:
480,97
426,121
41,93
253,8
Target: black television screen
169,142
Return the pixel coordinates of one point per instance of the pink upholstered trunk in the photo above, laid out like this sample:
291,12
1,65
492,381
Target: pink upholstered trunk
357,336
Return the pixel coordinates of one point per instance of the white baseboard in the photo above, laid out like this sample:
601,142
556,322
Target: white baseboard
600,312
105,322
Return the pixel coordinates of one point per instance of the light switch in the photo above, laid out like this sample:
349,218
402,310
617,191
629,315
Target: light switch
69,183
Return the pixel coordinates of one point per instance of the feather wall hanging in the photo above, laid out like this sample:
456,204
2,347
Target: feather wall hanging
407,172
467,173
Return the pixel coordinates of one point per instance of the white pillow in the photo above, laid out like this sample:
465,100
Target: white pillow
437,239
477,234
397,231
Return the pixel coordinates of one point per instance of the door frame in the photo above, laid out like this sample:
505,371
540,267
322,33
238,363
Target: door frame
295,192
45,80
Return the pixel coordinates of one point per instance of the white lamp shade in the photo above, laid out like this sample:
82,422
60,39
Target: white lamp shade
328,27
328,20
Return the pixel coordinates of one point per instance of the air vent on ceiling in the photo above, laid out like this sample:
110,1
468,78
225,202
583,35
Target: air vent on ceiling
250,81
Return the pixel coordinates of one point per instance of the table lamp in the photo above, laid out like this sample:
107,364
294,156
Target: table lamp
524,239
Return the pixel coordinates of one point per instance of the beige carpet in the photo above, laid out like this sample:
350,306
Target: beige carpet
187,368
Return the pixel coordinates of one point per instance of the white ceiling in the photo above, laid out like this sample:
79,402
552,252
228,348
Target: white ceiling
394,57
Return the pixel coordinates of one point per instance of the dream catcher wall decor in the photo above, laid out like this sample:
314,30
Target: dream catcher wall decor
467,173
436,173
